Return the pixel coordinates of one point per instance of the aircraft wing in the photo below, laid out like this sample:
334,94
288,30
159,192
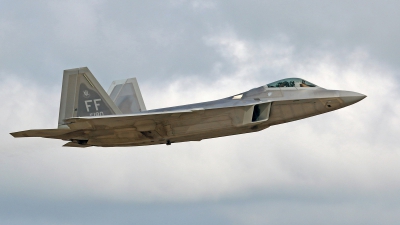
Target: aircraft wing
75,124
147,128
88,116
46,133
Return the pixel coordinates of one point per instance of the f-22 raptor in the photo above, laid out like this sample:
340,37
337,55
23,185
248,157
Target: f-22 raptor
91,117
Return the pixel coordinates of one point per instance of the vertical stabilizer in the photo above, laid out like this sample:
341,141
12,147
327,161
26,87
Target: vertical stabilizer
127,96
82,96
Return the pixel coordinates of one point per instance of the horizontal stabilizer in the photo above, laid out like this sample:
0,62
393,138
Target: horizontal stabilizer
46,133
74,144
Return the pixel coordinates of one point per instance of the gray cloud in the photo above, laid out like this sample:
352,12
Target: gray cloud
164,40
341,166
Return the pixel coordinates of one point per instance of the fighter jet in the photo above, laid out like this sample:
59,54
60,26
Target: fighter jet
89,116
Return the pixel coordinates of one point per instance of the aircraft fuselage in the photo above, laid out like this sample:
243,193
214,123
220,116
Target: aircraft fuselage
91,117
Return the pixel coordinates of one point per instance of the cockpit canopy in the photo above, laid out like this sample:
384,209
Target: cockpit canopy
291,82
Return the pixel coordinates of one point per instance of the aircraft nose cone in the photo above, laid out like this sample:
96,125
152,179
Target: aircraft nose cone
350,97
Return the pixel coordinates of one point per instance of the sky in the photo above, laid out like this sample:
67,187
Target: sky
337,168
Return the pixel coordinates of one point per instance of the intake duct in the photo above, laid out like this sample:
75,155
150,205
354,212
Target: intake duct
261,112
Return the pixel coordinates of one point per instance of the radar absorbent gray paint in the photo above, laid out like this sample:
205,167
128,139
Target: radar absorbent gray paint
91,117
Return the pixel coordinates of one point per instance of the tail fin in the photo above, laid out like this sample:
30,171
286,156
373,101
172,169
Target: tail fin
126,95
82,95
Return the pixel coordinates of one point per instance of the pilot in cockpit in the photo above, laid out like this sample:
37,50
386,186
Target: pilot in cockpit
303,84
290,82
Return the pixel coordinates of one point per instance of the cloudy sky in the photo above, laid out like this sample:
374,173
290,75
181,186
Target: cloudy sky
338,168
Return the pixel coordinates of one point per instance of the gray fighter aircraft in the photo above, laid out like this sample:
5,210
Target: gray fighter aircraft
91,117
